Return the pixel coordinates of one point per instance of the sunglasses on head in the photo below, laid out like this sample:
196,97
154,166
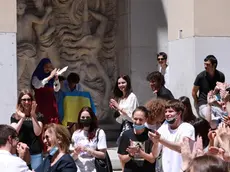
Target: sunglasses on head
24,100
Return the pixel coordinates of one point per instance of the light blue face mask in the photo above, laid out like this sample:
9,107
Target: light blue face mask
53,150
138,127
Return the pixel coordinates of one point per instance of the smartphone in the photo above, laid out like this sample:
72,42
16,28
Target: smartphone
217,97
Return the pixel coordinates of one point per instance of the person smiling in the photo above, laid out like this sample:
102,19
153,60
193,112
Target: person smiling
135,149
29,125
169,136
163,67
125,102
88,140
57,140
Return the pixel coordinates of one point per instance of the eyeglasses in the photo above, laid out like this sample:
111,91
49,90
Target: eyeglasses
24,100
160,59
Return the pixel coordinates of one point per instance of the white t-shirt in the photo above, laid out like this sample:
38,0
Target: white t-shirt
85,162
10,163
172,160
128,105
166,75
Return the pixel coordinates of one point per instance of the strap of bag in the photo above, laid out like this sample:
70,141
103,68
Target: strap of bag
97,134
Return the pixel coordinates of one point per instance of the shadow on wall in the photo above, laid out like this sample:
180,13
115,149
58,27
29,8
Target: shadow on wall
148,36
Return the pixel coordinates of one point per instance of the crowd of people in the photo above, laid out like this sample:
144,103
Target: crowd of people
163,135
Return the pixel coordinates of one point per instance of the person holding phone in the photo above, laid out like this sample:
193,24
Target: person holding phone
28,123
45,82
57,140
135,149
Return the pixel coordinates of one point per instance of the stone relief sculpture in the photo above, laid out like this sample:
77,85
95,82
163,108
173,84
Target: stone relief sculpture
77,33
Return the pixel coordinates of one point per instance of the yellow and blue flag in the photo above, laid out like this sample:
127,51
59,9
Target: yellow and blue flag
70,104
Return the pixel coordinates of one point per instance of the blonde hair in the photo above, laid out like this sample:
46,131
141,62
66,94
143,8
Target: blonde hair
62,135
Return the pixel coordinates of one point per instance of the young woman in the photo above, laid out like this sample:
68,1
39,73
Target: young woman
57,140
29,125
135,150
45,82
125,101
86,144
188,115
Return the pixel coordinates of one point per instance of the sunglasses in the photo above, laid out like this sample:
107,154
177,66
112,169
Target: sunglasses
160,59
24,100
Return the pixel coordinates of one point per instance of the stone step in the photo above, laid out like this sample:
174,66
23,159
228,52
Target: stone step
112,151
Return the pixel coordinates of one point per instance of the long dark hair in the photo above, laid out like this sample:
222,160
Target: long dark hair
188,115
94,123
117,92
21,94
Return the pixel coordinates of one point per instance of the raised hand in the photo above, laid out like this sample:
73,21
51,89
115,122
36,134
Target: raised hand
20,113
113,104
154,136
210,97
33,109
53,73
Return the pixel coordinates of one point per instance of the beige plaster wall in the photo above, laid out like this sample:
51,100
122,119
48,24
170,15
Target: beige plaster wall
8,16
212,17
180,17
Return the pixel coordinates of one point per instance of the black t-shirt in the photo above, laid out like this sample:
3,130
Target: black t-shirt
27,135
137,163
207,83
64,164
165,93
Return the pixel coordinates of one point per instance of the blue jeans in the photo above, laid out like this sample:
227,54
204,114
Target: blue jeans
36,160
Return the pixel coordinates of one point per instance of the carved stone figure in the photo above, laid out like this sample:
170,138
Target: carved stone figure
26,49
79,34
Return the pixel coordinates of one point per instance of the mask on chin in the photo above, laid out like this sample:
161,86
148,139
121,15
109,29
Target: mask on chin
171,120
138,127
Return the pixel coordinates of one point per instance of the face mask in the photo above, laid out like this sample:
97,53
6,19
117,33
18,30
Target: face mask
85,122
138,127
53,150
171,120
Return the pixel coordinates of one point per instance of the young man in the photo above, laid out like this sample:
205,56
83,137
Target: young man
72,83
163,66
8,143
169,136
157,82
135,148
205,82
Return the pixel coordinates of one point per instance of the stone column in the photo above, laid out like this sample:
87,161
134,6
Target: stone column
142,33
8,60
196,28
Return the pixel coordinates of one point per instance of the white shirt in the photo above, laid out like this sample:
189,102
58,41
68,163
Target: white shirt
40,84
10,163
128,105
85,162
172,160
166,75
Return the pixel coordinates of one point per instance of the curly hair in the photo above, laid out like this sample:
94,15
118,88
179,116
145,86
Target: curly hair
156,108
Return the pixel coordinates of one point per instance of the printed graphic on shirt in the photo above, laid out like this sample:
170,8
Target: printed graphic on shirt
141,145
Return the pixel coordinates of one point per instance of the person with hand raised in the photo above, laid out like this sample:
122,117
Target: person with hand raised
29,125
45,82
